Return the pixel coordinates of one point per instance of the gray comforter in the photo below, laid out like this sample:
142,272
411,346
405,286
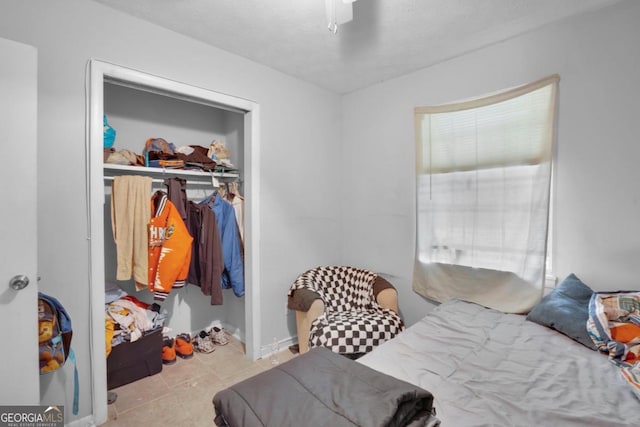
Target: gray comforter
322,388
487,368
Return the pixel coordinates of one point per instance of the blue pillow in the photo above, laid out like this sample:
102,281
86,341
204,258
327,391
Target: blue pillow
566,309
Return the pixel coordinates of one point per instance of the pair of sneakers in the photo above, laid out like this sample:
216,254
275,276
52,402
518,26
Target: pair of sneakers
181,346
207,340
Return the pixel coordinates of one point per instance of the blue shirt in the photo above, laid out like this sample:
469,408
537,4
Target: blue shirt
233,273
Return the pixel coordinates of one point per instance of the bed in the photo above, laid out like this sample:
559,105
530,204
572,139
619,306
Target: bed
483,367
489,368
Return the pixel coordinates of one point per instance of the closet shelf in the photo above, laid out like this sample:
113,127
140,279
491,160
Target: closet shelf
112,170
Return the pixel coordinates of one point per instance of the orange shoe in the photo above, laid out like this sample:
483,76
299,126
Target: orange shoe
168,351
184,346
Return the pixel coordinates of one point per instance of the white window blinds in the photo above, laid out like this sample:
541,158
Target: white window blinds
483,179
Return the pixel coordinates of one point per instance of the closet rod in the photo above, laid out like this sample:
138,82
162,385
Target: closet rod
161,181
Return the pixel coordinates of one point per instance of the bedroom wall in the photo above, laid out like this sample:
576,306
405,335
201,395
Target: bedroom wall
597,216
299,137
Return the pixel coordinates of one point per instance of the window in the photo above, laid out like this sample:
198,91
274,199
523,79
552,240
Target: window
483,182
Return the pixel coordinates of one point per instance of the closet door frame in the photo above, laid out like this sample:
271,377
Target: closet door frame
99,73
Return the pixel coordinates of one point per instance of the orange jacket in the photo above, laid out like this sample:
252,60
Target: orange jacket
169,247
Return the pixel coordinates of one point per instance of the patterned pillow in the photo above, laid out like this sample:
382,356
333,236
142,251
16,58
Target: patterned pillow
566,309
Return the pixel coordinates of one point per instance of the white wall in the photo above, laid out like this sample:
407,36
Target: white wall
300,129
597,220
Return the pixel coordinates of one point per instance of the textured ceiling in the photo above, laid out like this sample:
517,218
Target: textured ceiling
386,39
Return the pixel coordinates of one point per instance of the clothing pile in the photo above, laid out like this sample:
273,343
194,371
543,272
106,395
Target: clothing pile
158,152
127,319
614,327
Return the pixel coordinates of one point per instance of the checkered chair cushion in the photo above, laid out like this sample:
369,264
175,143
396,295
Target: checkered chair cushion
353,322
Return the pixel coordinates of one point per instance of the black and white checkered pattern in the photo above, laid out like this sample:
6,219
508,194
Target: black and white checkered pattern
353,321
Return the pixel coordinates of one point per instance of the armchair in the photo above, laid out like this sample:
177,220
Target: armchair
346,309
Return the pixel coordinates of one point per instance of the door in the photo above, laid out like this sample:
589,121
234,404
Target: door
19,369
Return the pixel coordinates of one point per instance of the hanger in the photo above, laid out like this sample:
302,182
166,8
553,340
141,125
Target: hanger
234,189
210,199
228,193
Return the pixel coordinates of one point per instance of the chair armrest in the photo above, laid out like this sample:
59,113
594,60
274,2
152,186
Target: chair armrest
303,323
385,294
388,298
301,299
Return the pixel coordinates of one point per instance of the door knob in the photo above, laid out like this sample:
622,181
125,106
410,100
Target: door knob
19,282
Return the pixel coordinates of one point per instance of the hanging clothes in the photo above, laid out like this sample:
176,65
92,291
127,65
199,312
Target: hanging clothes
207,262
169,247
233,196
177,193
130,214
233,273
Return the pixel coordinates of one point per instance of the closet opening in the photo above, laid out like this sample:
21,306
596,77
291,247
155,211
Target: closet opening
141,106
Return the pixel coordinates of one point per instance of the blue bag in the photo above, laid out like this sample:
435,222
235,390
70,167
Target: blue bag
54,337
109,133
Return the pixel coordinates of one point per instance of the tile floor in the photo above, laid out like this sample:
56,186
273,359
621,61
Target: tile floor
181,395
